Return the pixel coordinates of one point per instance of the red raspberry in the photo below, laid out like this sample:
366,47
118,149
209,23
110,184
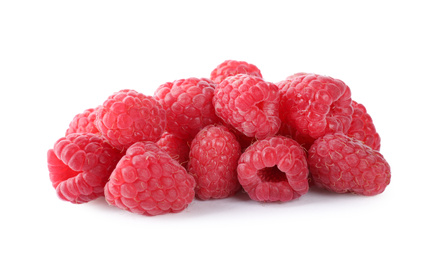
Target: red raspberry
249,104
232,67
176,147
362,127
343,164
274,169
83,122
128,116
80,165
188,105
314,105
148,181
213,162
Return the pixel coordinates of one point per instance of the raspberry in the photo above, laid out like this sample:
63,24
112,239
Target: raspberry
214,154
249,104
188,105
80,165
362,127
314,105
343,164
83,122
148,181
274,169
128,116
176,147
232,67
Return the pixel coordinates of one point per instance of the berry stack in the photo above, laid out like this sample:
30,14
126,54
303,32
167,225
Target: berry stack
208,138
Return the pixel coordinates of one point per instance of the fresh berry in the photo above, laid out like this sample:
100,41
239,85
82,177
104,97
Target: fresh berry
249,104
83,122
148,181
362,127
274,169
214,154
176,147
80,165
314,105
232,67
127,117
188,105
343,164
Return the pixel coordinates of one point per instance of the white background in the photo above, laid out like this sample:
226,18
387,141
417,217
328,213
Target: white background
58,58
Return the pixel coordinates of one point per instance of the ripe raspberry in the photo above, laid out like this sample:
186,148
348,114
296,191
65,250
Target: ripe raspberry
343,164
188,105
362,127
314,105
128,116
176,147
249,104
213,162
83,122
80,165
148,181
232,67
274,169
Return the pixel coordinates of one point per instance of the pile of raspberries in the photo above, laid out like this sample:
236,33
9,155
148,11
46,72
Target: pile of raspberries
209,138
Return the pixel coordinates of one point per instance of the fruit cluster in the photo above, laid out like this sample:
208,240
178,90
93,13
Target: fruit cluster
209,138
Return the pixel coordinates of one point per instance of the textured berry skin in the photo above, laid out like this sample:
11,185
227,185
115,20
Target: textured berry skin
343,164
188,105
127,117
83,123
293,76
214,154
80,165
312,105
362,127
243,140
249,104
304,140
176,147
148,181
274,169
233,67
